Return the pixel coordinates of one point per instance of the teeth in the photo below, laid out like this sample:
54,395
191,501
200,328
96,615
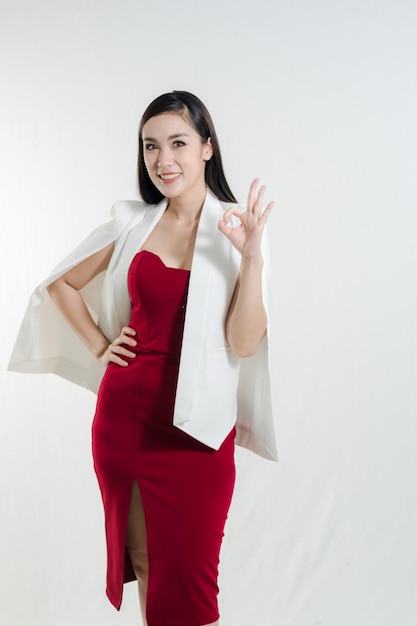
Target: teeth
169,176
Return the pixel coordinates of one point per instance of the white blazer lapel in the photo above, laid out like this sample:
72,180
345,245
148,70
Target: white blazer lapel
198,309
115,307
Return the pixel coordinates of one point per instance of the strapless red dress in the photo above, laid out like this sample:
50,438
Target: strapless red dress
186,487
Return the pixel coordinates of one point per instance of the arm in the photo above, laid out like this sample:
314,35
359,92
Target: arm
65,293
246,319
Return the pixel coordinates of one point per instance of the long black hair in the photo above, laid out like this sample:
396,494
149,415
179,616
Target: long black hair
196,113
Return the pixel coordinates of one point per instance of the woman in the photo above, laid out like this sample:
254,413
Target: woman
168,299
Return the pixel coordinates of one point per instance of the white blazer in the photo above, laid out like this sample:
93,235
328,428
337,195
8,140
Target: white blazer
216,389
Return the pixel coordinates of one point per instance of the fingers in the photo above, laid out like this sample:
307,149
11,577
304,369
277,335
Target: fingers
266,213
223,225
255,201
257,207
126,336
118,348
254,206
232,211
252,193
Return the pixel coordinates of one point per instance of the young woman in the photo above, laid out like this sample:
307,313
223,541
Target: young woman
168,300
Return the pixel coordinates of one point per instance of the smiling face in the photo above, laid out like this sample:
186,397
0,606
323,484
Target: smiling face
175,157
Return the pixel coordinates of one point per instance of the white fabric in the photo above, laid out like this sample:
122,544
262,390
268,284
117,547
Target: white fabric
216,389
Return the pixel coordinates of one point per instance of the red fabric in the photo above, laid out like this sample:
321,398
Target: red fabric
186,487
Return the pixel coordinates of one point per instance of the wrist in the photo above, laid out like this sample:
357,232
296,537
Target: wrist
253,261
99,350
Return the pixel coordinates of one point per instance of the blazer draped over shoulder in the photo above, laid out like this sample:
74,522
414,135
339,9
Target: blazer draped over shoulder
216,389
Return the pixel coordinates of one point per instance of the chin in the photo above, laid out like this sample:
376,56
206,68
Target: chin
170,193
167,191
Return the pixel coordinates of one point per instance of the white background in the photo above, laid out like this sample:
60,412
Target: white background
319,99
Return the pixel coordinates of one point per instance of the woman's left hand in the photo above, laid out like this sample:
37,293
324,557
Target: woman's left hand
247,236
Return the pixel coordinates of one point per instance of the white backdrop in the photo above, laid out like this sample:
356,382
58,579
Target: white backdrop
319,99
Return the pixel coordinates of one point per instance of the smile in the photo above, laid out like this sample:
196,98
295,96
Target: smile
168,177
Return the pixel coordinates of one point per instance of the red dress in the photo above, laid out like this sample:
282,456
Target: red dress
186,487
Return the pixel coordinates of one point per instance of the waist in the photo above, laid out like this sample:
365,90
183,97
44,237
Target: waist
156,351
156,340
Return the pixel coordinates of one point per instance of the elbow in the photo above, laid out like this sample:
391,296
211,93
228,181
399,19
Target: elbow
244,353
245,346
56,288
244,349
53,288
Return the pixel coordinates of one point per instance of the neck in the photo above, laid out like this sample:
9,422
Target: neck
186,208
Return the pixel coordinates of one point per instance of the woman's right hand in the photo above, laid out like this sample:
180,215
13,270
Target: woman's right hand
118,348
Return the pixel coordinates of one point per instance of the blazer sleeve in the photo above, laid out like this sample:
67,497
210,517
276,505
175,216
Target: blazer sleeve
46,342
255,427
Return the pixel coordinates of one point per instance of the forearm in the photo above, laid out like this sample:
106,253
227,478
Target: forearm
247,320
72,306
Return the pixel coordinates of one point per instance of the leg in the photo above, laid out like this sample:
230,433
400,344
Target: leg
136,545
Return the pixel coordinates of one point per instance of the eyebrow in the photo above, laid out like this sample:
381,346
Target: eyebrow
170,137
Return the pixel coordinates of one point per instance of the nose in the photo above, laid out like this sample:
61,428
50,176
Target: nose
165,156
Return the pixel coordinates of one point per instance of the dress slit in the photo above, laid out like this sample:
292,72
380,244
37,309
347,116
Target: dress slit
129,574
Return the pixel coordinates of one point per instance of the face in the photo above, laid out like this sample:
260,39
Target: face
175,156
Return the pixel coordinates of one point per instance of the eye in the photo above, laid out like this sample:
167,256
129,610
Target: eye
150,146
178,144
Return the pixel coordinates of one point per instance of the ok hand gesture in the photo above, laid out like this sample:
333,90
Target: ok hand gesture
246,237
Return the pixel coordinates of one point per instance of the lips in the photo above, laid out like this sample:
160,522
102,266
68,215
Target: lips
169,176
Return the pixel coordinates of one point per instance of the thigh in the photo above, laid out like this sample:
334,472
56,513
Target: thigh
136,529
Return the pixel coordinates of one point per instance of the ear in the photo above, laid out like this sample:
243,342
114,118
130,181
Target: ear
208,150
